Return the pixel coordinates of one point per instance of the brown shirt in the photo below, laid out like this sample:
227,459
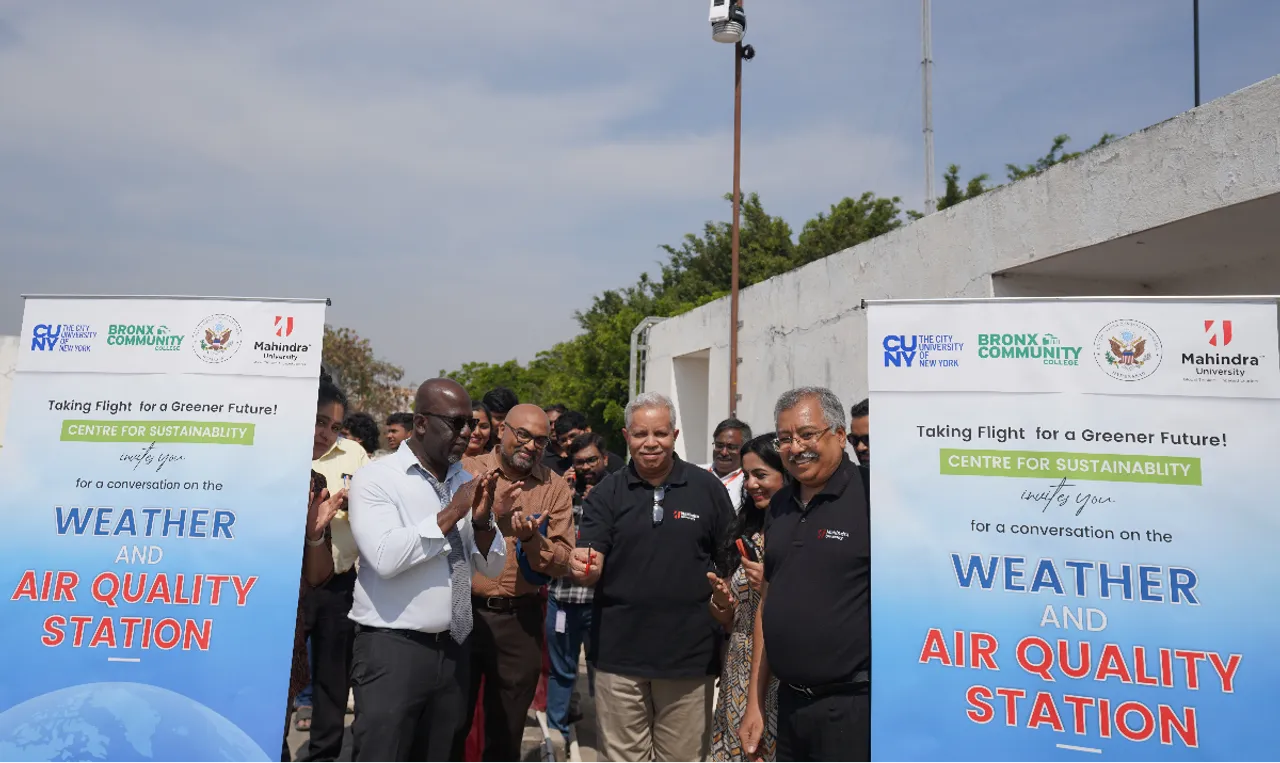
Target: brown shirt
544,493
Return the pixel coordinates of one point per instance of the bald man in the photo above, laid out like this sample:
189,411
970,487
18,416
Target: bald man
423,524
510,623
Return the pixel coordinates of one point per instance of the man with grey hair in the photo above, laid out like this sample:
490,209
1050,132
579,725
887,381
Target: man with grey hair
648,538
817,579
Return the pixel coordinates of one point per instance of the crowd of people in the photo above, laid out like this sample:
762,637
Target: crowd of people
459,558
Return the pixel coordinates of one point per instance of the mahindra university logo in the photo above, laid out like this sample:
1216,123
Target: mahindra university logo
1219,332
284,325
832,534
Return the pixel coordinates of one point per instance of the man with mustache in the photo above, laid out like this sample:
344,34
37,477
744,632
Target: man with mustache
726,456
507,649
817,572
860,431
649,537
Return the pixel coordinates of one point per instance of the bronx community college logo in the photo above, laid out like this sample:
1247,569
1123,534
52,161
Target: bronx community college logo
216,338
1127,350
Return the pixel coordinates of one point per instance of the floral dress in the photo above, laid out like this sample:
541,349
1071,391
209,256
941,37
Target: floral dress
735,678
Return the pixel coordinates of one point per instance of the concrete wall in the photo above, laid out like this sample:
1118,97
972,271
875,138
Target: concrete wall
1077,229
8,364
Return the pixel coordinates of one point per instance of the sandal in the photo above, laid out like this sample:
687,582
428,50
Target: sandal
303,722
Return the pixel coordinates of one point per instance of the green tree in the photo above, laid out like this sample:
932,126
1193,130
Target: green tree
954,194
1056,155
372,385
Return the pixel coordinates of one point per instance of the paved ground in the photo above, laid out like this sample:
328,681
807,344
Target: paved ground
532,750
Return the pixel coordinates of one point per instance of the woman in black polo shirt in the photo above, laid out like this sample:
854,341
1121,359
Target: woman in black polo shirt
764,476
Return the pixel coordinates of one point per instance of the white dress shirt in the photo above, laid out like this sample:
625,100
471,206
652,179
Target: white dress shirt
732,483
404,579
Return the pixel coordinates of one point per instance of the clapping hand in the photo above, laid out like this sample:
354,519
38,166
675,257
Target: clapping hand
525,527
321,510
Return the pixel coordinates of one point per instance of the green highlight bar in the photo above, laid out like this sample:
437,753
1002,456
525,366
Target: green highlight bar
201,432
1098,467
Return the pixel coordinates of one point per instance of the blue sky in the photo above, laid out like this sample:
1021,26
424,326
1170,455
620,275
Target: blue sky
460,177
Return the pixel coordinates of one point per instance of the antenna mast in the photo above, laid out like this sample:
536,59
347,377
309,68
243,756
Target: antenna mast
930,203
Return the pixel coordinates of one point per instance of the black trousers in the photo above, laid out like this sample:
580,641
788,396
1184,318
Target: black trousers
834,728
506,650
331,632
411,694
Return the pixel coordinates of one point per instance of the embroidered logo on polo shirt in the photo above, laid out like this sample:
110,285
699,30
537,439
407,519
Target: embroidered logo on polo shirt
833,534
684,515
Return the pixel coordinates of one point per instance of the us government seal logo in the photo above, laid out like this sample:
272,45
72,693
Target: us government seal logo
217,338
1127,350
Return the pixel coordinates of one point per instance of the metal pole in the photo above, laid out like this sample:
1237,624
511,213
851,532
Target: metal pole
737,208
1195,26
926,43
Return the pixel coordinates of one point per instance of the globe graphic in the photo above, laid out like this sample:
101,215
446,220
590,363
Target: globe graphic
120,721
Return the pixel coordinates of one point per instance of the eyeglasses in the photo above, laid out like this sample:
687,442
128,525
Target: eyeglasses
803,440
860,439
592,461
456,423
717,445
659,495
524,437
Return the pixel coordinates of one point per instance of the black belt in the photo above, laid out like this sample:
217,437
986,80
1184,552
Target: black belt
505,603
861,684
420,637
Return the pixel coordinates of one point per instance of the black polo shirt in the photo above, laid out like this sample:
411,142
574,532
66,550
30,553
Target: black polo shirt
817,561
651,618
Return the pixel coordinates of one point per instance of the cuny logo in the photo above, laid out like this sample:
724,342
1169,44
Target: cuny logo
904,350
284,325
63,337
1218,337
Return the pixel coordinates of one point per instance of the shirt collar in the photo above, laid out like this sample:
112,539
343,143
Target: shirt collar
679,473
836,484
405,461
339,448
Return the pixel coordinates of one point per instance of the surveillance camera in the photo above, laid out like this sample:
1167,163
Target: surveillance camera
748,52
728,22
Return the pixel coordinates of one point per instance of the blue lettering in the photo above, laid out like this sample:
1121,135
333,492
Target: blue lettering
1046,577
1124,580
1081,569
986,576
1182,583
169,521
151,519
198,519
125,525
73,517
1011,572
1148,589
222,521
104,518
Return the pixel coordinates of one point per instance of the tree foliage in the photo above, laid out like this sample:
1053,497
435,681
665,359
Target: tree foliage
372,385
590,372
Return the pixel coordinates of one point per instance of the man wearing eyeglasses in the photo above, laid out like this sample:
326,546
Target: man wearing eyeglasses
649,537
860,431
509,632
726,457
422,525
817,579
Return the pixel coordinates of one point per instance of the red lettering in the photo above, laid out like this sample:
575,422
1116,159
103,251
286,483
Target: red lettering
195,593
1064,662
1043,711
1166,668
1191,658
980,710
167,642
982,651
1046,657
129,624
216,582
935,648
243,587
53,625
1078,704
146,633
105,633
1226,672
1104,718
1140,668
1143,732
44,586
64,589
1186,730
1011,697
80,621
199,636
177,591
1111,663
26,587
130,594
160,590
959,648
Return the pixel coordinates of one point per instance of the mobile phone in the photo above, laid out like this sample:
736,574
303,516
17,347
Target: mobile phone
579,480
746,548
